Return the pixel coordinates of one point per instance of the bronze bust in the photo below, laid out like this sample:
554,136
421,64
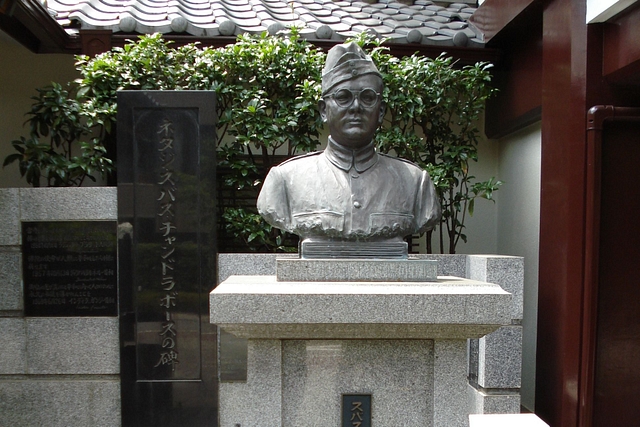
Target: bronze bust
349,198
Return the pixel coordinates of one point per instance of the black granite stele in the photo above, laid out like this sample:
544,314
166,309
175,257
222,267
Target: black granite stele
69,268
166,220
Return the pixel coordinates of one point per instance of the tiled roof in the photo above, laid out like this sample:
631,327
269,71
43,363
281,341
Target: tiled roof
420,21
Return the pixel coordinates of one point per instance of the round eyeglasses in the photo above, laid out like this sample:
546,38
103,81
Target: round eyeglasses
367,97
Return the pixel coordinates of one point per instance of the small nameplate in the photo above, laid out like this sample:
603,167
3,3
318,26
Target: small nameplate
356,410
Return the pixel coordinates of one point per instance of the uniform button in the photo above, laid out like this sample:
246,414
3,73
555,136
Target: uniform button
357,205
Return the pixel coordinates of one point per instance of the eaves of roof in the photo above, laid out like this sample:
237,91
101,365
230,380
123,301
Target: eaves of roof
411,26
31,24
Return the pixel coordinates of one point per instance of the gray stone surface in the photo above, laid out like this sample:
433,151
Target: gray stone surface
494,401
398,375
245,301
506,271
68,204
56,402
79,345
248,264
448,265
36,347
10,216
233,350
13,356
450,395
265,264
341,270
11,297
256,402
500,358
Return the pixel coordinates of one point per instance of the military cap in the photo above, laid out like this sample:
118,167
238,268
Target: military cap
344,62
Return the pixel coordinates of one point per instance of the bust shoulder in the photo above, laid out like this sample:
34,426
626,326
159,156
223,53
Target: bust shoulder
300,157
393,158
404,165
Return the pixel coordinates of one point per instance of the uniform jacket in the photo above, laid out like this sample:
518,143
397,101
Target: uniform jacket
349,195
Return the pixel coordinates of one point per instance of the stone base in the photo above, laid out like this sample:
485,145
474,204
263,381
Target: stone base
343,270
261,307
300,383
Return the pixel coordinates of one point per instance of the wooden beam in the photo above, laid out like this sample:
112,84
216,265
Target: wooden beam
29,22
495,16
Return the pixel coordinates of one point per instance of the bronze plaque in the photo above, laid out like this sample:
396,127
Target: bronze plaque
69,268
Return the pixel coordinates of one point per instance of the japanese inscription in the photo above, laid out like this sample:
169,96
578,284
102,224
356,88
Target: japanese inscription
69,268
167,192
166,254
166,245
356,410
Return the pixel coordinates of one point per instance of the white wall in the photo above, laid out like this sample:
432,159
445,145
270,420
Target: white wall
481,228
23,71
518,231
602,10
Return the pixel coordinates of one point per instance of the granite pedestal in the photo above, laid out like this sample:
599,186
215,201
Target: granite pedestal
403,343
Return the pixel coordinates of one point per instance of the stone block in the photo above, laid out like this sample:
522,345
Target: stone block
79,345
13,356
494,401
233,359
60,402
11,297
500,358
450,400
9,216
68,204
252,306
506,271
397,374
349,270
257,402
448,264
248,264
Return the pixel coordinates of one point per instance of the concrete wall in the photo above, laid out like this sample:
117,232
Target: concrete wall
518,230
21,73
54,371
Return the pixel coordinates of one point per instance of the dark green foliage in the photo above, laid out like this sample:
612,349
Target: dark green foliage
267,89
59,123
433,111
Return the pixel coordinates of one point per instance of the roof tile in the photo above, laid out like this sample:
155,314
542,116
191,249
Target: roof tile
402,21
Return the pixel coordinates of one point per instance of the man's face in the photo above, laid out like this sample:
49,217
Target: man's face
354,125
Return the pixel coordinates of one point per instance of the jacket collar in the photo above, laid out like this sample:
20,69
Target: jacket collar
345,158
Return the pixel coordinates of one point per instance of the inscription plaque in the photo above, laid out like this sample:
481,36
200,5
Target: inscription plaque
356,410
69,268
